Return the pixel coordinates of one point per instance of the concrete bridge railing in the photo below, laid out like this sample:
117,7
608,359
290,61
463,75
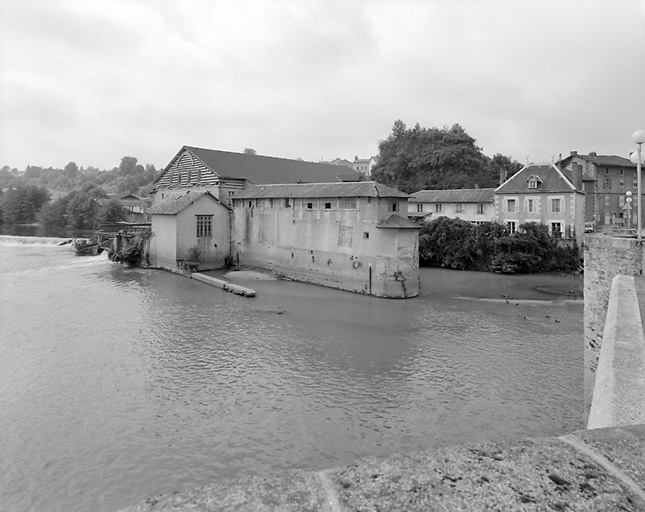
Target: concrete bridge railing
619,391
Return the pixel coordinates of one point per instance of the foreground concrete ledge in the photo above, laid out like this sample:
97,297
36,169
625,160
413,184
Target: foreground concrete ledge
619,391
602,469
224,285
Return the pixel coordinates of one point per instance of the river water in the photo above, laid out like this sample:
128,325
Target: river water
120,383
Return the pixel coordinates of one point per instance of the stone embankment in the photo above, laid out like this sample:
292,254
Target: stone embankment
588,470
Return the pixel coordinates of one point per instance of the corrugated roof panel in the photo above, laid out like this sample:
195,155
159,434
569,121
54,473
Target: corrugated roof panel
461,195
341,189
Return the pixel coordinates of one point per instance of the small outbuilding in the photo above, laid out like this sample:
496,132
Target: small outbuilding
188,228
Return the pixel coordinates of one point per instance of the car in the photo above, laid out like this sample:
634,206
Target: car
588,227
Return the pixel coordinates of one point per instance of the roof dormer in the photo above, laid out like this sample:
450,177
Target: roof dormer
534,182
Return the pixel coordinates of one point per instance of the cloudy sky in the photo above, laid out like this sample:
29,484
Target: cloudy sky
91,81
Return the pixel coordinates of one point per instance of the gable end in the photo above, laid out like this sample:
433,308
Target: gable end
186,170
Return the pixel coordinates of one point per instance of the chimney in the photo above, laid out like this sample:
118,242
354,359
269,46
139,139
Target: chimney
577,175
574,153
593,153
502,176
476,186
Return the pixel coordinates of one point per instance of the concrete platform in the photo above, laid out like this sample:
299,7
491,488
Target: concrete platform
601,469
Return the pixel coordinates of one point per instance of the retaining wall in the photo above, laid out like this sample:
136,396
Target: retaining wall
605,257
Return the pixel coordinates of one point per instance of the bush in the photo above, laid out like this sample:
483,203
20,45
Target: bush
456,244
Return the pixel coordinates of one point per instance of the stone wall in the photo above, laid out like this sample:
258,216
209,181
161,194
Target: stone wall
619,391
605,257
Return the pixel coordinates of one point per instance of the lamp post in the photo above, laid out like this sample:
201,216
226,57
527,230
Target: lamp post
628,208
639,138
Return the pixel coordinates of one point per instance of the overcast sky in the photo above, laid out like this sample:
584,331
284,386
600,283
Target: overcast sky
91,81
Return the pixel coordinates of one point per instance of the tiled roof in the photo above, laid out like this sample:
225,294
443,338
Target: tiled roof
553,180
173,205
266,169
394,221
345,189
600,160
460,195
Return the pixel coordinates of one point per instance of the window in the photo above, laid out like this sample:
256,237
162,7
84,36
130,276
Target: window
607,201
460,208
510,205
204,225
532,183
366,235
287,203
556,229
621,183
327,206
621,172
529,205
310,206
635,184
438,208
480,209
395,206
607,183
419,207
621,201
606,170
556,205
511,226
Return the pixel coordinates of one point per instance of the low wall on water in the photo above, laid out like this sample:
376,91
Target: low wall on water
619,391
605,257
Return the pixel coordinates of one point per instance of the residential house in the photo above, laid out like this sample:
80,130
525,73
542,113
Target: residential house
545,194
342,161
474,205
364,165
605,180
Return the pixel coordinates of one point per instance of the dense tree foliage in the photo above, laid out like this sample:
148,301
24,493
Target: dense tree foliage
20,204
432,158
457,244
78,194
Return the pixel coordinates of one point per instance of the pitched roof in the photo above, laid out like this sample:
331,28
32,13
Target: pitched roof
459,195
175,204
345,189
553,179
394,221
600,160
265,169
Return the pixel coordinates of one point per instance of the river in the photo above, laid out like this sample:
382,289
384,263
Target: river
119,383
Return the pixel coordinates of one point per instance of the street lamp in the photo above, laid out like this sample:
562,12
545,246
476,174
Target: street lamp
628,208
639,138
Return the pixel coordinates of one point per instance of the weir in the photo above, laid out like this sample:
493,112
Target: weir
601,468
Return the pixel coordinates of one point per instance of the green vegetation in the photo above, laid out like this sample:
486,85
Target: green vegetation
72,197
432,158
457,244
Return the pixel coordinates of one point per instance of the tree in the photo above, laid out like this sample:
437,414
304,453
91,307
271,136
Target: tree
249,151
54,214
71,170
431,158
83,206
127,166
21,204
111,211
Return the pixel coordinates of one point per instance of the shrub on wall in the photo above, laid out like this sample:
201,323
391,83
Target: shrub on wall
457,244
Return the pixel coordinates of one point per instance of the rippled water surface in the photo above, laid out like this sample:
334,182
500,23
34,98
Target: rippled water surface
120,383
